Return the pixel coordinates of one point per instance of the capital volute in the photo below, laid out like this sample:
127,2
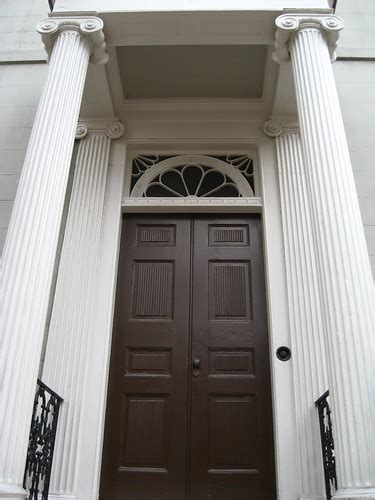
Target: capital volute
113,129
274,128
89,27
82,130
287,25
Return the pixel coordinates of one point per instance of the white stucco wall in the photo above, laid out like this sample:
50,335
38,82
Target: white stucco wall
358,36
356,87
20,87
19,40
22,73
355,79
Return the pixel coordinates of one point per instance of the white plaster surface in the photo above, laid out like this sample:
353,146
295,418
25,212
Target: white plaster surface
18,37
358,37
20,89
355,82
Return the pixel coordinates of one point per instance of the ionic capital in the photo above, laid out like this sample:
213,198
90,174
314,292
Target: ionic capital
113,128
89,27
81,130
287,25
274,128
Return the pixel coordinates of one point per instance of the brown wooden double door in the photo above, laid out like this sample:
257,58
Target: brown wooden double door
189,402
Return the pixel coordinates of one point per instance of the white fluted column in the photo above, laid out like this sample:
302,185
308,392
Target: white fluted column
30,247
304,302
343,263
68,345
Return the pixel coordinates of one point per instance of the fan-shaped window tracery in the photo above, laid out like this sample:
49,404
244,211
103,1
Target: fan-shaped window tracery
194,176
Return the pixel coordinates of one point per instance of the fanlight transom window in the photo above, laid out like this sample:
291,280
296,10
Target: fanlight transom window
193,176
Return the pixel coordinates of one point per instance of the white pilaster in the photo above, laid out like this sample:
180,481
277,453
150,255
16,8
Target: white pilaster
343,263
68,345
304,302
30,248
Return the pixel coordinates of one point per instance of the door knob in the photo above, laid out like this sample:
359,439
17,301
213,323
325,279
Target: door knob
196,363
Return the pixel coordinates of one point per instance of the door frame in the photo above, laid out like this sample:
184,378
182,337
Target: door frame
285,439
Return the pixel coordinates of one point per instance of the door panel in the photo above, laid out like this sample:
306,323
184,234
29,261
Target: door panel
231,417
190,291
147,399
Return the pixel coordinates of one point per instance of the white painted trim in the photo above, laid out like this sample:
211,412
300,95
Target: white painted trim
183,205
305,309
62,497
285,438
355,494
94,405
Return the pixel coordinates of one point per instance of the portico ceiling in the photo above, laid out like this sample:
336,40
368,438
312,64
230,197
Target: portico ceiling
192,71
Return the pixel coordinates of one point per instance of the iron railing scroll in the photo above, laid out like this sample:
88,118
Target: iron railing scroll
328,445
41,442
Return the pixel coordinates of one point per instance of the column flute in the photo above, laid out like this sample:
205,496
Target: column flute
32,239
309,40
69,338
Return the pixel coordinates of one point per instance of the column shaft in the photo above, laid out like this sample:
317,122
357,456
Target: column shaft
343,263
31,244
30,247
68,346
306,324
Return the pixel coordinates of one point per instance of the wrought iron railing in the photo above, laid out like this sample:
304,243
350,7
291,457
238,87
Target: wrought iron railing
41,442
328,445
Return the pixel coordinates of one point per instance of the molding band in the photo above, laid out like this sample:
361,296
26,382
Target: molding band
89,27
289,24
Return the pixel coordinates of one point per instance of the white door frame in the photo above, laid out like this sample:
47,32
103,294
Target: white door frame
89,461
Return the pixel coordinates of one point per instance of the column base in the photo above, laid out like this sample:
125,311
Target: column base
62,496
10,492
312,498
355,494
